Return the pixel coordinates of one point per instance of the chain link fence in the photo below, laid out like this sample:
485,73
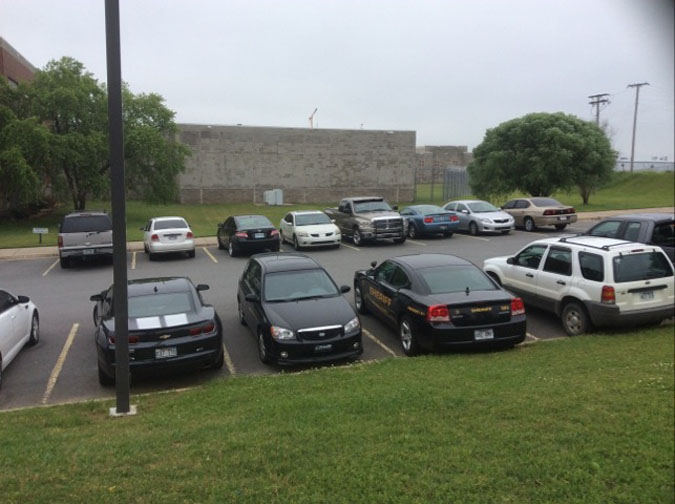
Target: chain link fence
455,183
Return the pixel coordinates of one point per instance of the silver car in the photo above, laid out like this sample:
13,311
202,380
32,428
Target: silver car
166,235
477,216
84,235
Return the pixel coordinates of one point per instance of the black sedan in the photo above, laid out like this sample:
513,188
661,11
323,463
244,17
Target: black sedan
247,233
169,326
296,311
439,301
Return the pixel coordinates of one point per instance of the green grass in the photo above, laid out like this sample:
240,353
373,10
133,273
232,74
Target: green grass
578,420
625,191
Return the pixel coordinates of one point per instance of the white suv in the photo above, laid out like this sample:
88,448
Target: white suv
588,280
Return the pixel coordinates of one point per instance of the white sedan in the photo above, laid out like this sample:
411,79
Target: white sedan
168,234
19,326
309,228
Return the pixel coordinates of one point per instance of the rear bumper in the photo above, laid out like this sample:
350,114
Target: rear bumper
86,252
181,246
257,245
611,315
552,220
446,336
440,227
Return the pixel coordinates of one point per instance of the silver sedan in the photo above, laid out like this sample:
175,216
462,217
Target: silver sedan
477,216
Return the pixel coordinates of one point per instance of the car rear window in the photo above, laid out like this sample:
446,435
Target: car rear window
446,279
541,202
252,221
154,305
170,224
634,267
86,223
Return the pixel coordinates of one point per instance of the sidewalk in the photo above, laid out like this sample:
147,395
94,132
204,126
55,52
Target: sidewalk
210,241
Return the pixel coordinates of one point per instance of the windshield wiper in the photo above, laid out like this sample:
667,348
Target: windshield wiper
316,296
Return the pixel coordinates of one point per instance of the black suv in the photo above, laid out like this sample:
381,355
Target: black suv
83,235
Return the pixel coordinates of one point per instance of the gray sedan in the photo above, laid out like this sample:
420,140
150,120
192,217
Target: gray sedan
477,216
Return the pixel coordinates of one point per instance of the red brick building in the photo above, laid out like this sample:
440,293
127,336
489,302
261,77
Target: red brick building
13,66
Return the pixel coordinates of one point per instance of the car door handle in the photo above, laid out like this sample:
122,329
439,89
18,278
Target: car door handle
530,275
560,282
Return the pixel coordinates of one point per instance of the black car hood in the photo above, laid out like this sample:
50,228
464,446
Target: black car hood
478,297
296,315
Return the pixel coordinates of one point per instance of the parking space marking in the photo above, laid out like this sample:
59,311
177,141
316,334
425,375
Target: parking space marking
210,255
228,361
372,337
59,364
133,261
477,237
530,335
50,268
416,242
350,247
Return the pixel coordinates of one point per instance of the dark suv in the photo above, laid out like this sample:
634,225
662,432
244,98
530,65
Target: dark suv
83,235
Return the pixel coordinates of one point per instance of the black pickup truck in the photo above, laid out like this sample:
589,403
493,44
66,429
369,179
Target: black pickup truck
368,218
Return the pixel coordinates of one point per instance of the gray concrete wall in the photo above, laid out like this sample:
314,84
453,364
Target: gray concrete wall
238,163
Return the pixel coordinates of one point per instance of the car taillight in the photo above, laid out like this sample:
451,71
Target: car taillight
241,234
60,242
428,220
155,237
517,307
608,295
572,210
189,235
196,331
274,232
132,338
438,313
454,218
549,212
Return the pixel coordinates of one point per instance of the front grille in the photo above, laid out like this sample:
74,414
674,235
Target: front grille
388,224
320,333
501,221
318,235
480,313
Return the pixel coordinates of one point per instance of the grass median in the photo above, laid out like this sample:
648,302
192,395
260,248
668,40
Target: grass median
587,419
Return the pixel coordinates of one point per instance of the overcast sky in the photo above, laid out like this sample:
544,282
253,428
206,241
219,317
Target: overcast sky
446,69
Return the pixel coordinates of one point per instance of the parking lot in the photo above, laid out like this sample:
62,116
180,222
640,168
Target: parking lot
62,366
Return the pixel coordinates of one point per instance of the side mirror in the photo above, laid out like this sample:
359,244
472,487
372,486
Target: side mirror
23,299
373,264
96,297
465,212
252,298
344,289
203,287
395,207
333,221
510,260
370,273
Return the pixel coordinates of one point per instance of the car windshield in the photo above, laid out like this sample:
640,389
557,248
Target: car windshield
482,206
634,267
155,305
86,224
252,221
542,202
170,224
429,209
371,206
446,279
297,285
311,219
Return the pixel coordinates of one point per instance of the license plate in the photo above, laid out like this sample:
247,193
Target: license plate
172,237
87,251
644,296
444,227
563,218
322,348
164,353
259,235
483,334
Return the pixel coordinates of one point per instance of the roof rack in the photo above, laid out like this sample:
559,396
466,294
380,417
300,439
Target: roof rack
565,239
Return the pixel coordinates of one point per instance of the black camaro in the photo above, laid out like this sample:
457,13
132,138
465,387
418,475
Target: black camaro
439,301
247,233
169,325
295,311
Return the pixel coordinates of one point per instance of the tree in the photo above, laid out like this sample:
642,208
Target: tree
541,153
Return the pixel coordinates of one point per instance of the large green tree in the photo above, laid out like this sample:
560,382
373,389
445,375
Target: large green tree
541,153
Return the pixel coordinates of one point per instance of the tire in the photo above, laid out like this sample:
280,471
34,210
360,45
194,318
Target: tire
220,244
506,231
399,241
473,228
94,315
65,262
529,224
407,336
34,330
218,363
447,235
151,256
281,237
412,231
104,379
560,227
356,236
359,301
574,318
231,250
296,245
240,314
145,249
495,278
262,349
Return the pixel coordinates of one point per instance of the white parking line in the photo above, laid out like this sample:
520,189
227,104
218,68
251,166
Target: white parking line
416,242
350,247
210,255
386,348
477,237
59,364
50,268
530,335
133,261
228,361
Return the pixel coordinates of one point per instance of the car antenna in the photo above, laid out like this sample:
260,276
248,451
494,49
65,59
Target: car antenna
467,290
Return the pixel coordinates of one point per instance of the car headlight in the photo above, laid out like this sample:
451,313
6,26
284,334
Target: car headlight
281,333
486,220
352,325
303,234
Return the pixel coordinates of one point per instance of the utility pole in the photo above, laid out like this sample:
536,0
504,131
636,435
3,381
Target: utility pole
637,87
596,101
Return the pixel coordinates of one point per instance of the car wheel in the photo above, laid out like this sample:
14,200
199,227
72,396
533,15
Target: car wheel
473,228
104,379
231,250
220,244
262,349
529,224
151,256
560,227
412,231
34,330
495,277
220,360
65,262
506,231
296,245
145,248
191,254
447,234
359,301
242,320
574,319
356,237
408,338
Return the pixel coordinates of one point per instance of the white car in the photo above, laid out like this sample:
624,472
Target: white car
168,234
588,280
309,228
19,326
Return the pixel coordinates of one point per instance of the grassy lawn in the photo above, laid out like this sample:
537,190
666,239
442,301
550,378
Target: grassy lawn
585,420
640,190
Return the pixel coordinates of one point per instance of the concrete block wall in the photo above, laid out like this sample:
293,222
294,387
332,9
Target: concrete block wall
239,163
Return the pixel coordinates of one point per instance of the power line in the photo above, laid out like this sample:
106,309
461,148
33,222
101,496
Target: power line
596,101
637,87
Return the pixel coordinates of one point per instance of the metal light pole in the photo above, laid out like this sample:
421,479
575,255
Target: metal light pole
116,143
